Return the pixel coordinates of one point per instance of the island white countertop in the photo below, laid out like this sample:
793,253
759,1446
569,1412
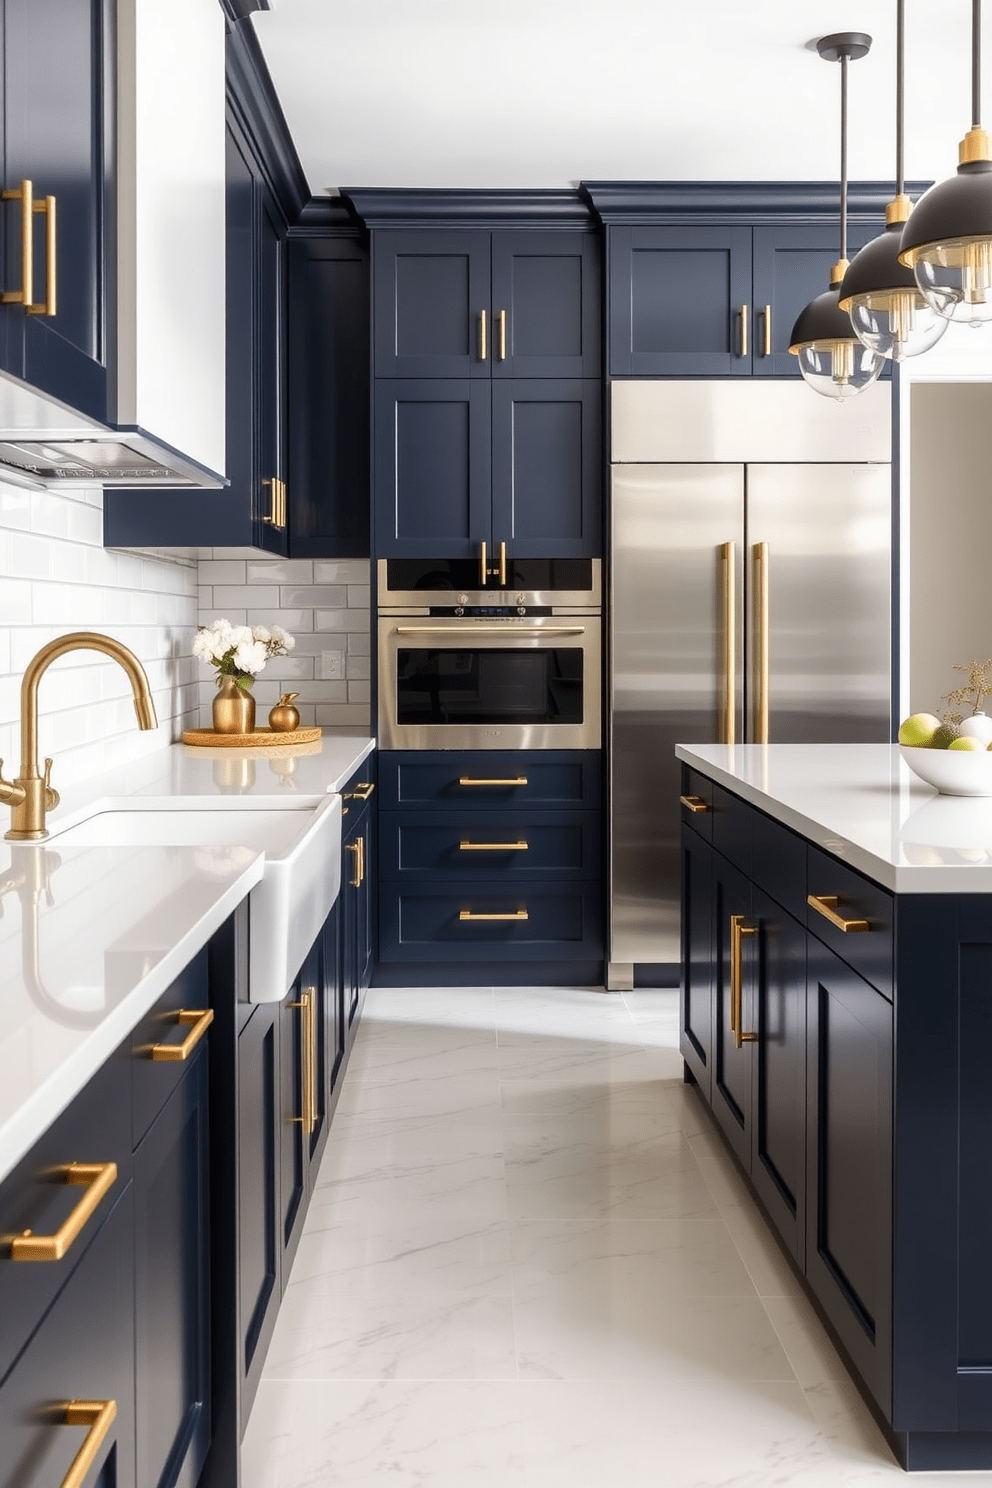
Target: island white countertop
862,803
90,937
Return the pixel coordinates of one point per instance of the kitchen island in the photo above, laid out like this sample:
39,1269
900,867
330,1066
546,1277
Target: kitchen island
837,1016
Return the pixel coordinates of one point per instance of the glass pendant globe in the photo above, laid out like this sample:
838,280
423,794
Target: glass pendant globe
955,278
839,369
896,324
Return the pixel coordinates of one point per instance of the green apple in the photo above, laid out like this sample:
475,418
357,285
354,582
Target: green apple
944,736
967,744
918,730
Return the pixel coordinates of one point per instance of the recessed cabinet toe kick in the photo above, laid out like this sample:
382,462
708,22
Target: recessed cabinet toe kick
839,1032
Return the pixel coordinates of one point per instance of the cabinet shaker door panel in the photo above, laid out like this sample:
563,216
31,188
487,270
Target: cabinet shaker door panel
57,81
432,468
698,968
733,1010
676,296
546,285
270,461
546,469
258,1196
849,1156
431,291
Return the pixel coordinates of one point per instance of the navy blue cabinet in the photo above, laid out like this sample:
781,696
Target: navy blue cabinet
356,902
481,305
259,1246
58,113
328,398
715,299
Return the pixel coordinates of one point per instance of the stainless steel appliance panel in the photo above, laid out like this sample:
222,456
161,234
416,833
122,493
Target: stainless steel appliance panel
672,578
819,578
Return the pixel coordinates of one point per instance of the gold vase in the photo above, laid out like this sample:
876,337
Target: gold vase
234,708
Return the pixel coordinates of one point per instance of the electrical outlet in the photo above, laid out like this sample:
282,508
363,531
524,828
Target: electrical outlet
332,666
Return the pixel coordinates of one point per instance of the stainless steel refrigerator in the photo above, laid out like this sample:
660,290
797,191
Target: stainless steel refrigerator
750,582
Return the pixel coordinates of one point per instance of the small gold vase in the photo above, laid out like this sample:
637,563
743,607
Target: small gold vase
234,709
284,718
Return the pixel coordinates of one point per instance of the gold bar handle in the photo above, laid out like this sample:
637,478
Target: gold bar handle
738,929
99,1416
198,1020
728,557
501,328
494,629
470,780
695,804
363,789
483,347
518,914
275,515
502,565
826,905
48,304
358,848
743,330
308,1120
483,566
761,642
766,321
98,1179
282,504
25,195
493,847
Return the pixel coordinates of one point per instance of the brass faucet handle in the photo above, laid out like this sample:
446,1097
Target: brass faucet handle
51,795
10,791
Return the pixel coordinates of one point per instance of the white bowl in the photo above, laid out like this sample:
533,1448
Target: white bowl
952,772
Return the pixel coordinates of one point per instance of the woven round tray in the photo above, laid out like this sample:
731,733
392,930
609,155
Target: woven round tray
263,736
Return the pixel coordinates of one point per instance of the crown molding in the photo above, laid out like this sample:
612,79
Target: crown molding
252,100
326,217
620,202
240,10
408,207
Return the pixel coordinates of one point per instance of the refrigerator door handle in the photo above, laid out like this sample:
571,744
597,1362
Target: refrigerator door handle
760,551
728,558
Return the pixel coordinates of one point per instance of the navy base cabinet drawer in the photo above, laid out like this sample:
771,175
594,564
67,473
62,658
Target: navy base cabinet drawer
868,951
486,777
480,921
490,844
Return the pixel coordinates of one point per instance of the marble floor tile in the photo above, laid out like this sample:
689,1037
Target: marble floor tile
463,1189
686,1257
415,1095
654,1178
802,1335
429,1255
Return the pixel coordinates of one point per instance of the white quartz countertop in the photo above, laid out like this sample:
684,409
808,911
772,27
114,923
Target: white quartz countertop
862,803
90,937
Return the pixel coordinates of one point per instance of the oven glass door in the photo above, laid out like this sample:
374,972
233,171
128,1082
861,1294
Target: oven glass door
468,685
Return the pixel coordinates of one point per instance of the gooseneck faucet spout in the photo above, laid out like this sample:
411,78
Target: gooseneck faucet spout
31,796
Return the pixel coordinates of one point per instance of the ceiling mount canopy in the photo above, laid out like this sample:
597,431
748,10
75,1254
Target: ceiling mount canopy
948,240
831,358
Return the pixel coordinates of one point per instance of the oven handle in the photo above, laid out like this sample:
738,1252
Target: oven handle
497,628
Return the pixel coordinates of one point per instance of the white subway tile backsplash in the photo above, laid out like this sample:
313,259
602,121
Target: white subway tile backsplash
277,571
222,570
340,571
312,596
359,596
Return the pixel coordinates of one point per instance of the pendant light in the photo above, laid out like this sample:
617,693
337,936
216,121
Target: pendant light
887,308
831,358
948,240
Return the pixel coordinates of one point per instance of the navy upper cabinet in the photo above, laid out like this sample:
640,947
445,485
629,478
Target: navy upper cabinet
481,305
58,111
546,473
791,266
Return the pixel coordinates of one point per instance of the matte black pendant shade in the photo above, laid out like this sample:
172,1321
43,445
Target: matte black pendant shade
877,266
823,320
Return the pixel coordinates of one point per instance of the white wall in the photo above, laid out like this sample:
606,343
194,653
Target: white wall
55,576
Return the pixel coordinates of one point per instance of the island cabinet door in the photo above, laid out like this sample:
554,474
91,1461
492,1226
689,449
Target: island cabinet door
259,1245
733,1006
778,1128
698,960
849,1157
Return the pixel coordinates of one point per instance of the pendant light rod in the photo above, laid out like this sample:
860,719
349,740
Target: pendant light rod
843,156
976,64
900,99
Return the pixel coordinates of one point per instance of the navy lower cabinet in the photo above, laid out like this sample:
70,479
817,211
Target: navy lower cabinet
490,873
58,113
259,1163
357,925
860,1108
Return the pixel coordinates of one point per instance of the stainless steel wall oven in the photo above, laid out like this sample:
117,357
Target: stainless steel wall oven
511,666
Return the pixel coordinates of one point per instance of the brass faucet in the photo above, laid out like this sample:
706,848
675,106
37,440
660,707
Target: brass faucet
31,796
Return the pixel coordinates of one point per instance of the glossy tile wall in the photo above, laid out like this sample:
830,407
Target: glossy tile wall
56,576
324,603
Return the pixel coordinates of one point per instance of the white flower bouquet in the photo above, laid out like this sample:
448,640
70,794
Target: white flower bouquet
240,651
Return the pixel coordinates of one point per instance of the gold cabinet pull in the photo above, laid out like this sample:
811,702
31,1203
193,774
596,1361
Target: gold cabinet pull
494,847
358,848
98,1179
502,565
277,502
490,630
743,330
766,322
99,1416
307,1006
826,905
728,560
198,1020
48,305
483,566
483,347
363,789
738,929
761,642
695,804
501,334
470,780
517,914
29,207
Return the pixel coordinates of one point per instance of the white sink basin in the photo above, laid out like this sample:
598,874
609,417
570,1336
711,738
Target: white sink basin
300,882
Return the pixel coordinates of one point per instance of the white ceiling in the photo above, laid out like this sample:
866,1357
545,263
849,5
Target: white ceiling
545,93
